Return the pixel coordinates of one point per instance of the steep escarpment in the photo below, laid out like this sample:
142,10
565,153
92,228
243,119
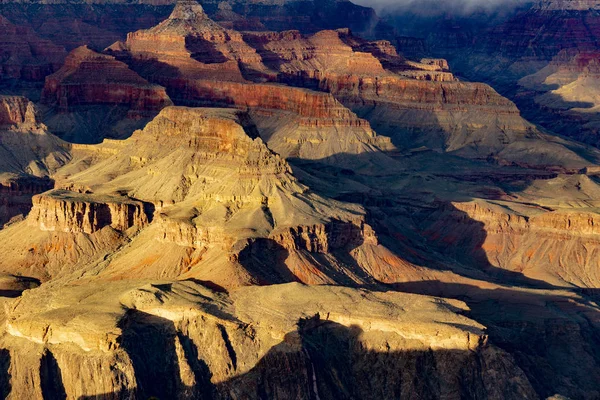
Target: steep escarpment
16,111
28,157
190,43
66,211
198,194
563,96
94,89
250,342
25,55
416,104
88,78
559,247
296,123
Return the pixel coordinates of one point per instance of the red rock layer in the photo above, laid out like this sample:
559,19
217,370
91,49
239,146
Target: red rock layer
195,45
92,78
16,110
557,247
24,55
315,108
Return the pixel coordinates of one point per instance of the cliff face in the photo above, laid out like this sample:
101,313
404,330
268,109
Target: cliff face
556,247
25,55
214,346
88,78
207,192
563,95
270,247
294,122
16,111
94,96
28,156
194,44
416,104
71,212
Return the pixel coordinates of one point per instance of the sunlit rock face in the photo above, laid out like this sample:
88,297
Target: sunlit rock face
211,344
564,95
29,153
247,199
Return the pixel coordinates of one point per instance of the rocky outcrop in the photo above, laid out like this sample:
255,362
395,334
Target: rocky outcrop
194,44
562,96
16,194
253,342
17,111
560,247
415,103
295,122
66,211
24,55
28,156
90,78
220,197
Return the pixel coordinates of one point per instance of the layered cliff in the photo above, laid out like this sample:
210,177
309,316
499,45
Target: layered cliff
94,96
294,122
90,78
251,343
563,96
194,45
28,157
200,188
25,55
416,104
16,112
66,211
559,247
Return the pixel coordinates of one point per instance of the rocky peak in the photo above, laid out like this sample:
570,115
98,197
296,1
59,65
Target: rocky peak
16,110
189,11
188,18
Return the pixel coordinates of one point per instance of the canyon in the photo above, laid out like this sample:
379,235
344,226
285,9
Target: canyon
273,199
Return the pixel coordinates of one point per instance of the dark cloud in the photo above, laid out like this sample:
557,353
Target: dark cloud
433,7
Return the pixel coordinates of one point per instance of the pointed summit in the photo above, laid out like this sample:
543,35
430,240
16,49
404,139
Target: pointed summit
188,18
188,10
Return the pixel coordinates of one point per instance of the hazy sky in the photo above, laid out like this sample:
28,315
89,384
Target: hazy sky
438,6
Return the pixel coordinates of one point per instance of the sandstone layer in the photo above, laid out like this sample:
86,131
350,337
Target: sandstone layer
282,244
92,90
251,343
563,96
88,77
218,199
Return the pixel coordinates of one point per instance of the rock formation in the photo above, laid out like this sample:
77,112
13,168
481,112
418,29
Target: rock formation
246,213
92,88
193,44
88,78
563,95
213,189
213,345
28,156
24,55
468,119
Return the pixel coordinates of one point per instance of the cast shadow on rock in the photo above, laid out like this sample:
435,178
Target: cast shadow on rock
326,360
